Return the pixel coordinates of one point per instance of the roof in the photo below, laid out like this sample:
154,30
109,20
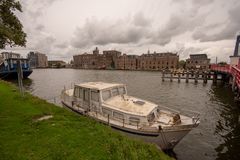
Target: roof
99,85
130,105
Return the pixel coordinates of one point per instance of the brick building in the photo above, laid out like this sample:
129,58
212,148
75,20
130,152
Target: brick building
198,61
158,61
107,60
127,62
113,59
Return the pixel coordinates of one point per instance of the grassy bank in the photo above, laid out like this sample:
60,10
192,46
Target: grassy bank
65,136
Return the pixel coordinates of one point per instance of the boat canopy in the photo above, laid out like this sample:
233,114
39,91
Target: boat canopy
99,85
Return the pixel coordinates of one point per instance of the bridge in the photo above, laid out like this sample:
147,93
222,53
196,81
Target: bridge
232,70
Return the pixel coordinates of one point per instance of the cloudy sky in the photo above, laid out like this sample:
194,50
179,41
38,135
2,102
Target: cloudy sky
62,28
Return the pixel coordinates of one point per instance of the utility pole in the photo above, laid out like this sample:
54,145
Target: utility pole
216,60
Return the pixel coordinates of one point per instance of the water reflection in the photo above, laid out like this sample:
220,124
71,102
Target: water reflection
228,125
27,84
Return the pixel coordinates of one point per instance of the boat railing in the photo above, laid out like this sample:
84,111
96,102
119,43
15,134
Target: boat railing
189,113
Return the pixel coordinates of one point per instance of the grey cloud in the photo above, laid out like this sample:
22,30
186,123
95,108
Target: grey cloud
201,3
232,27
141,20
36,8
39,27
177,25
182,21
194,3
61,45
95,32
45,44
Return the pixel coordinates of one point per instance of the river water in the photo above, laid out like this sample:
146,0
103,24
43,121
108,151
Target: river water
217,136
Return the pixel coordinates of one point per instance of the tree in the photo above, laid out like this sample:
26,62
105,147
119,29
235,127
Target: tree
222,63
11,29
182,64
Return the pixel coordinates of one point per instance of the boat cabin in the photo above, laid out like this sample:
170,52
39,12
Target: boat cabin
111,100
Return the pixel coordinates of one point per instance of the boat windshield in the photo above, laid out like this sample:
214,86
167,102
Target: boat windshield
113,92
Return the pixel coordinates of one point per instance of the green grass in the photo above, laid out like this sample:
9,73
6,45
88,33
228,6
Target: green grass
65,136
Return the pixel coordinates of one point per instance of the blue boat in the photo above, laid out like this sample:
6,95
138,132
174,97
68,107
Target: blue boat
8,66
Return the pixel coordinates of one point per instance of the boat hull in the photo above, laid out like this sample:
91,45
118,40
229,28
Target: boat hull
14,74
165,139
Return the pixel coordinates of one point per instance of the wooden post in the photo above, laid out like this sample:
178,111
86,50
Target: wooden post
205,77
163,75
215,78
108,120
20,76
179,78
196,77
187,76
171,77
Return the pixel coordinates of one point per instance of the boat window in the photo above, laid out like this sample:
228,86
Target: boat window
151,117
115,92
106,95
95,96
106,112
81,93
86,95
121,90
76,91
134,120
118,115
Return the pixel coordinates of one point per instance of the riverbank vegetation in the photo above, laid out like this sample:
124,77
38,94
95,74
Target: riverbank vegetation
31,128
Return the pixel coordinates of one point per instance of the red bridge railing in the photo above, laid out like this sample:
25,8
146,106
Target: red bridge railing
236,73
233,70
221,68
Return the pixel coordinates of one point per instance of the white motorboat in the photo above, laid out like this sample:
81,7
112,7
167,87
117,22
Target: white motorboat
110,104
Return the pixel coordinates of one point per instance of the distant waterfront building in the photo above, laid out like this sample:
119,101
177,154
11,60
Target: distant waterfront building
7,55
158,61
127,62
56,64
38,60
106,60
198,61
112,59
